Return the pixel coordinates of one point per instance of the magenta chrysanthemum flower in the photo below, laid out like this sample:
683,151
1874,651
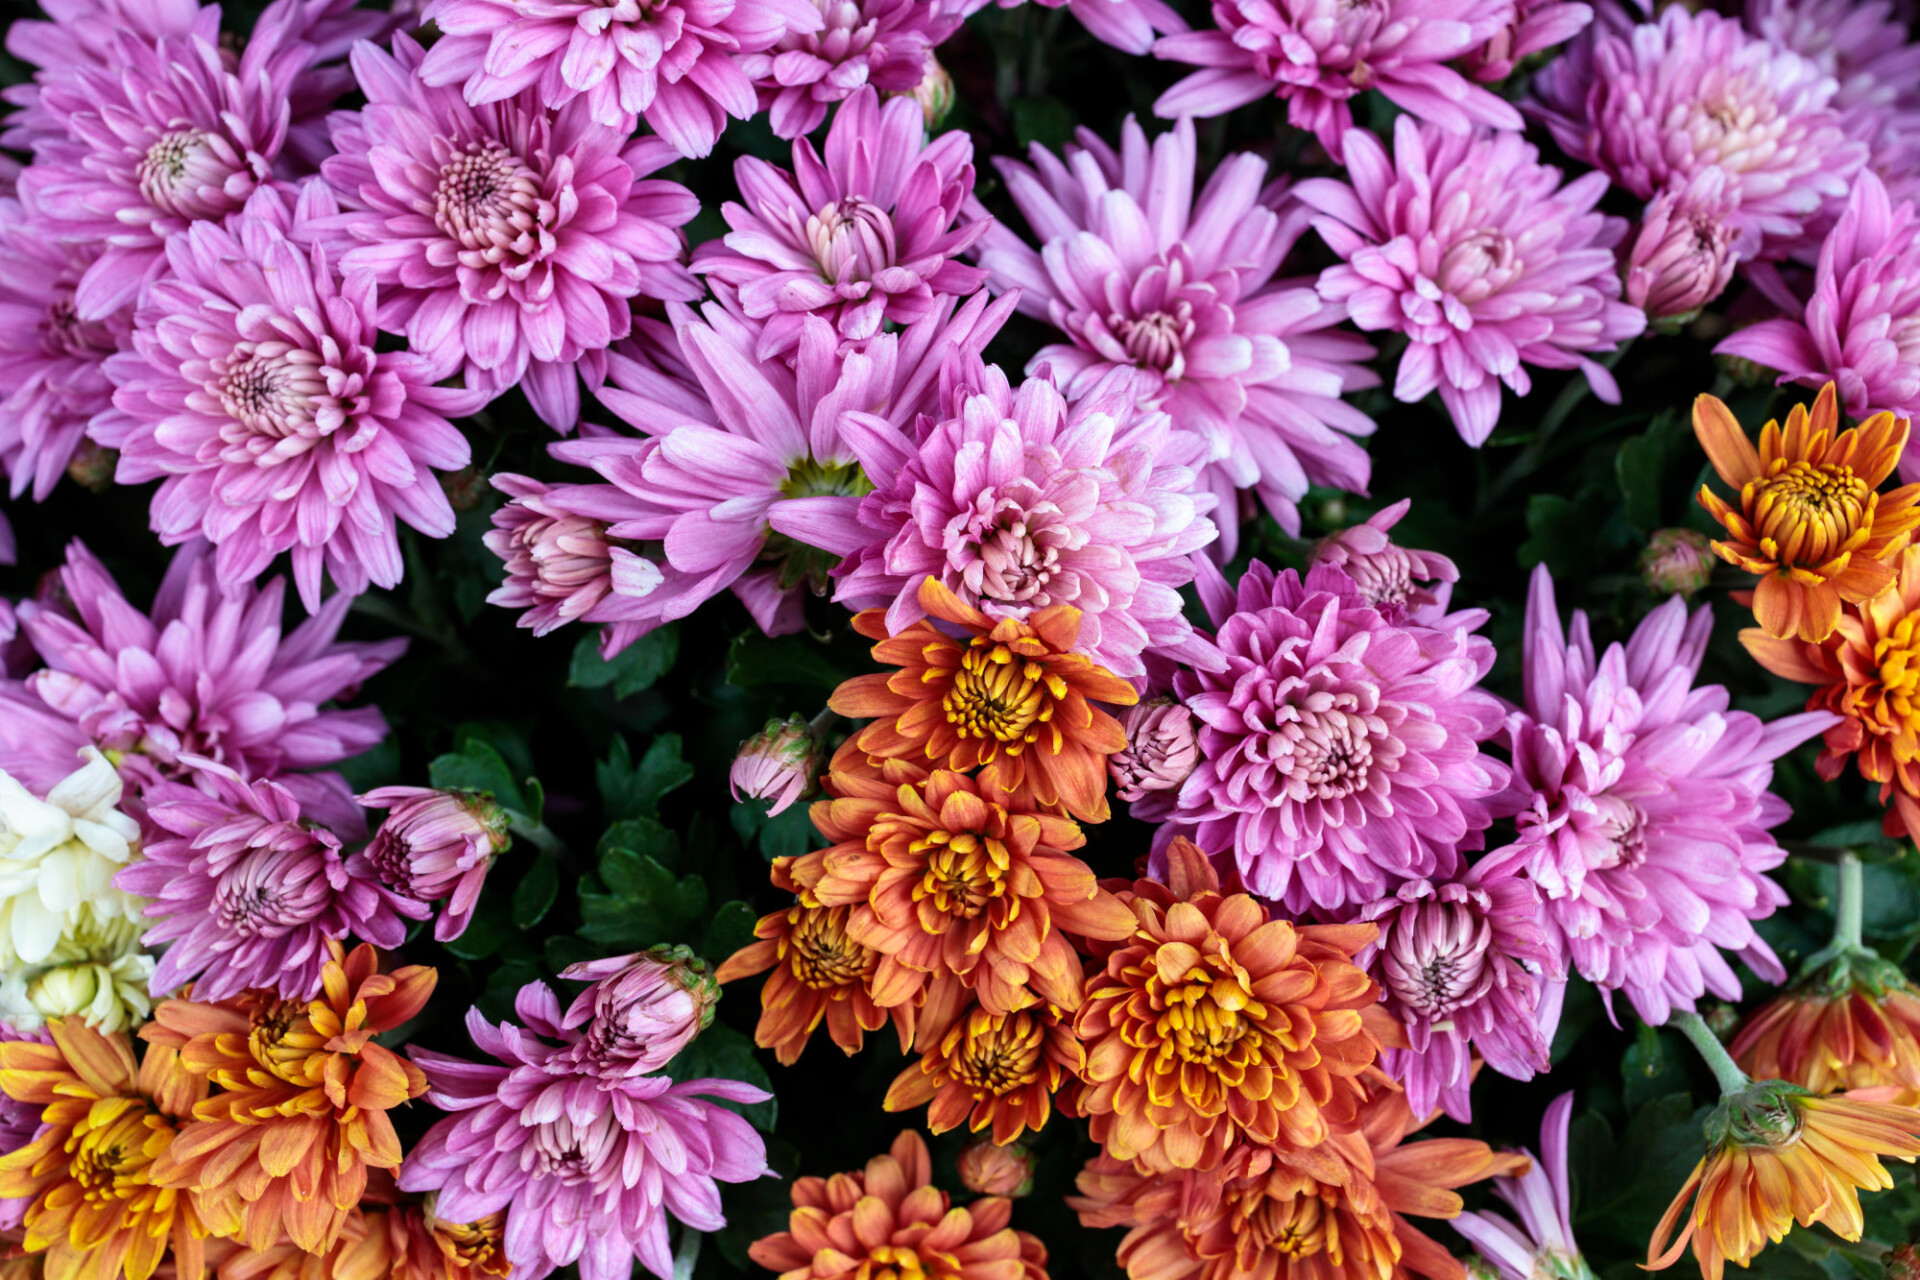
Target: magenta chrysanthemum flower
330,29
1540,1246
435,845
1863,44
52,380
207,674
505,237
249,883
1473,249
164,137
1643,807
1682,255
559,564
1142,276
1317,54
1655,105
1403,583
1127,25
1339,751
588,1166
863,237
83,33
639,1010
671,61
1465,967
887,44
255,389
1535,27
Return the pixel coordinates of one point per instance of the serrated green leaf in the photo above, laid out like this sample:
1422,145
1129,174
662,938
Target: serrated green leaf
644,905
789,833
479,767
632,670
633,789
724,1053
641,835
1642,468
490,929
569,949
538,888
730,929
756,661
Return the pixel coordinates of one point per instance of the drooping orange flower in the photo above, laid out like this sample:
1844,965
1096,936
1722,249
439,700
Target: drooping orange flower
1777,1154
1868,673
301,1115
1334,1212
1211,1022
98,1209
1852,1027
1810,520
388,1236
998,1072
890,1223
1013,694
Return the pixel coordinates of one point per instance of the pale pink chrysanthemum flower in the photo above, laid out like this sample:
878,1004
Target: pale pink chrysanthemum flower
1127,25
887,44
1141,273
1401,582
559,564
436,845
256,393
864,236
169,135
1642,806
1540,1246
330,28
83,33
1472,248
1682,256
1535,27
1654,105
673,62
1317,54
505,238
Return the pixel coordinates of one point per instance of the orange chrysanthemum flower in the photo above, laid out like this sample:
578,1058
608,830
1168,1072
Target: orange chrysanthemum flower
1852,1027
1211,1022
387,1237
1777,1154
98,1209
891,1222
1336,1212
285,1146
991,1071
1809,520
1015,695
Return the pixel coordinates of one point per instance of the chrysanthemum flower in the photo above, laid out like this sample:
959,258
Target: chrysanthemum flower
58,857
1317,54
864,236
77,34
1161,752
1339,750
1643,807
887,44
539,229
424,1246
1853,1026
1211,1024
994,1072
437,845
1401,582
1012,694
1140,275
1474,249
1863,44
1682,256
100,1209
304,1093
890,1220
96,974
1535,27
1540,1246
638,1011
989,1169
1775,1155
203,673
559,565
587,1164
1809,518
1656,105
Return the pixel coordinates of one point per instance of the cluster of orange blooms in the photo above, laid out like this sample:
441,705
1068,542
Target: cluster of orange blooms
1225,1062
248,1137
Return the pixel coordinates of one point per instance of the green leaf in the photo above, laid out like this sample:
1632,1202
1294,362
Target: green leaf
633,790
645,904
641,835
755,661
631,670
490,929
537,890
730,929
1045,120
503,984
722,1052
377,766
479,767
568,949
1644,466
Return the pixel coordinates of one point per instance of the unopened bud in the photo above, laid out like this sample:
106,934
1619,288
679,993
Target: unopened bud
1902,1263
641,1010
991,1170
464,488
1683,256
780,763
934,93
91,466
1677,562
1161,750
435,845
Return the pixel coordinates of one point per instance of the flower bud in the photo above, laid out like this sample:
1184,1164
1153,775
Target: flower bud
780,763
559,564
91,466
934,93
437,844
996,1171
1160,751
465,488
641,1010
1677,562
1902,1263
1683,256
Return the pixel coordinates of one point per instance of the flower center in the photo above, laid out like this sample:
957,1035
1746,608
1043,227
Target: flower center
1000,1054
1623,827
64,333
271,390
1807,513
1323,754
492,204
1434,958
1157,340
108,1155
571,1154
898,1262
282,1039
851,240
185,173
1294,1227
823,956
847,33
480,1245
1898,657
250,903
999,696
1479,265
564,554
965,871
1204,1016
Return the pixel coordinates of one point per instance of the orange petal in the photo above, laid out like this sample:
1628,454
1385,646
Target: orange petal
1732,454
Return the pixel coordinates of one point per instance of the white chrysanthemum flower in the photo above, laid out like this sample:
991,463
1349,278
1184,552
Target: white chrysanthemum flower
58,857
98,974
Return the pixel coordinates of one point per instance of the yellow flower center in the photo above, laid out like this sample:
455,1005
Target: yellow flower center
1000,696
965,871
1295,1227
1203,1032
283,1041
823,955
1807,513
111,1151
480,1246
993,1056
898,1262
1898,657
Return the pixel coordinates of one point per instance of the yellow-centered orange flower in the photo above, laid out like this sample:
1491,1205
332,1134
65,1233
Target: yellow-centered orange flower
1212,1023
387,1237
1014,694
997,1072
1853,1027
301,1115
1809,519
98,1210
1777,1154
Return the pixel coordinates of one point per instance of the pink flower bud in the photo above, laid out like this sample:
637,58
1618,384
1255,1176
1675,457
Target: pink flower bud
559,564
996,1171
1160,750
1677,562
641,1010
1683,256
780,763
437,844
1398,581
934,93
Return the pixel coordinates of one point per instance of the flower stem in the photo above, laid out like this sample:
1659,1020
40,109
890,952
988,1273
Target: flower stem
819,725
1729,1076
537,834
687,1254
1849,902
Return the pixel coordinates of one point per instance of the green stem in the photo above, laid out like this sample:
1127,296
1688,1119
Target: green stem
537,834
819,725
687,1254
1849,902
1729,1076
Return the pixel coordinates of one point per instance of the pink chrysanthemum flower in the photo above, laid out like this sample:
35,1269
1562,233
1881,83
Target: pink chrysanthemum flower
206,674
1141,275
1863,44
255,389
249,883
587,1164
330,29
1643,807
166,136
1465,966
1656,104
505,238
670,61
1339,751
1127,25
1317,54
887,44
1535,27
437,845
559,564
1473,249
865,236
83,33
52,380
1540,1246
1403,583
